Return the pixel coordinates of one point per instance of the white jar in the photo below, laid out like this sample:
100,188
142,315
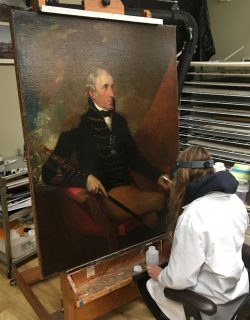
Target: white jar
152,256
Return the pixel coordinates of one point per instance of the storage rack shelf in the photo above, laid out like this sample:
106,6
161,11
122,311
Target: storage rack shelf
9,185
215,110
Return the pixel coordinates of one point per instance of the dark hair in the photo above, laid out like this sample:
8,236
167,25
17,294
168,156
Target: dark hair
182,178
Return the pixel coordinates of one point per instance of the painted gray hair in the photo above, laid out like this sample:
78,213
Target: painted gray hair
91,79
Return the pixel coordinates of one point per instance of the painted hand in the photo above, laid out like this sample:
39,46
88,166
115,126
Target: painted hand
95,186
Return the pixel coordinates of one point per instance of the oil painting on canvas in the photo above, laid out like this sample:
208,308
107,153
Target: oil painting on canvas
99,110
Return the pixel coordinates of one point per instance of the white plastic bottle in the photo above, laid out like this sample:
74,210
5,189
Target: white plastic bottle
18,244
152,256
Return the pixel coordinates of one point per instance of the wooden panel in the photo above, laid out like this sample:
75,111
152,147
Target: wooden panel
112,287
107,303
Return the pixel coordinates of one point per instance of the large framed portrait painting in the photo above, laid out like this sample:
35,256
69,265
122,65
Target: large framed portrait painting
99,111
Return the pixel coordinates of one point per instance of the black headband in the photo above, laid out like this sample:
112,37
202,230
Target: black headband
192,165
196,164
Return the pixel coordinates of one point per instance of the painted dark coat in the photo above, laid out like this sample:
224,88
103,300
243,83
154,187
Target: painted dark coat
82,143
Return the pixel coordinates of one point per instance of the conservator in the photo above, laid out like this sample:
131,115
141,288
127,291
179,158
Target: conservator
208,239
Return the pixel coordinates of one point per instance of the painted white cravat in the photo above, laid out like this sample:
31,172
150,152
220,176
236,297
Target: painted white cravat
108,119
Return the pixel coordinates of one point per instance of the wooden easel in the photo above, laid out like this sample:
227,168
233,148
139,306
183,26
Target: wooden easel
95,290
91,291
24,281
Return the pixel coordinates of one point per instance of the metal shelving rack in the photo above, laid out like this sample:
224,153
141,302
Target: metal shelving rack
215,110
10,184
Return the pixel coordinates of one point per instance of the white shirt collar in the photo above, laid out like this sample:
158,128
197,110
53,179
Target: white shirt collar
99,108
108,119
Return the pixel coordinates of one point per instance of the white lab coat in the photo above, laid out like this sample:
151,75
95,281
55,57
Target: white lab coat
206,253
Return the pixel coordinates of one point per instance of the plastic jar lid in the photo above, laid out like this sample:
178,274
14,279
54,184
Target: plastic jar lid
152,248
137,268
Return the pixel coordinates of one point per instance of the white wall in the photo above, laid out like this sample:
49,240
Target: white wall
230,24
11,135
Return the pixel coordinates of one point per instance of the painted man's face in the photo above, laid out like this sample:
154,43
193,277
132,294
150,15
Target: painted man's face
103,95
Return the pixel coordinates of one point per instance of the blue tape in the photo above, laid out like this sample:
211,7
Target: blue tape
81,303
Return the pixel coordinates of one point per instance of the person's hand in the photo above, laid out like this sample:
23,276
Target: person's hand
164,181
154,271
95,186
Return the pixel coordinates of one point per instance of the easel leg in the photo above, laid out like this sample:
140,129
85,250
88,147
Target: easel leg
24,285
69,309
